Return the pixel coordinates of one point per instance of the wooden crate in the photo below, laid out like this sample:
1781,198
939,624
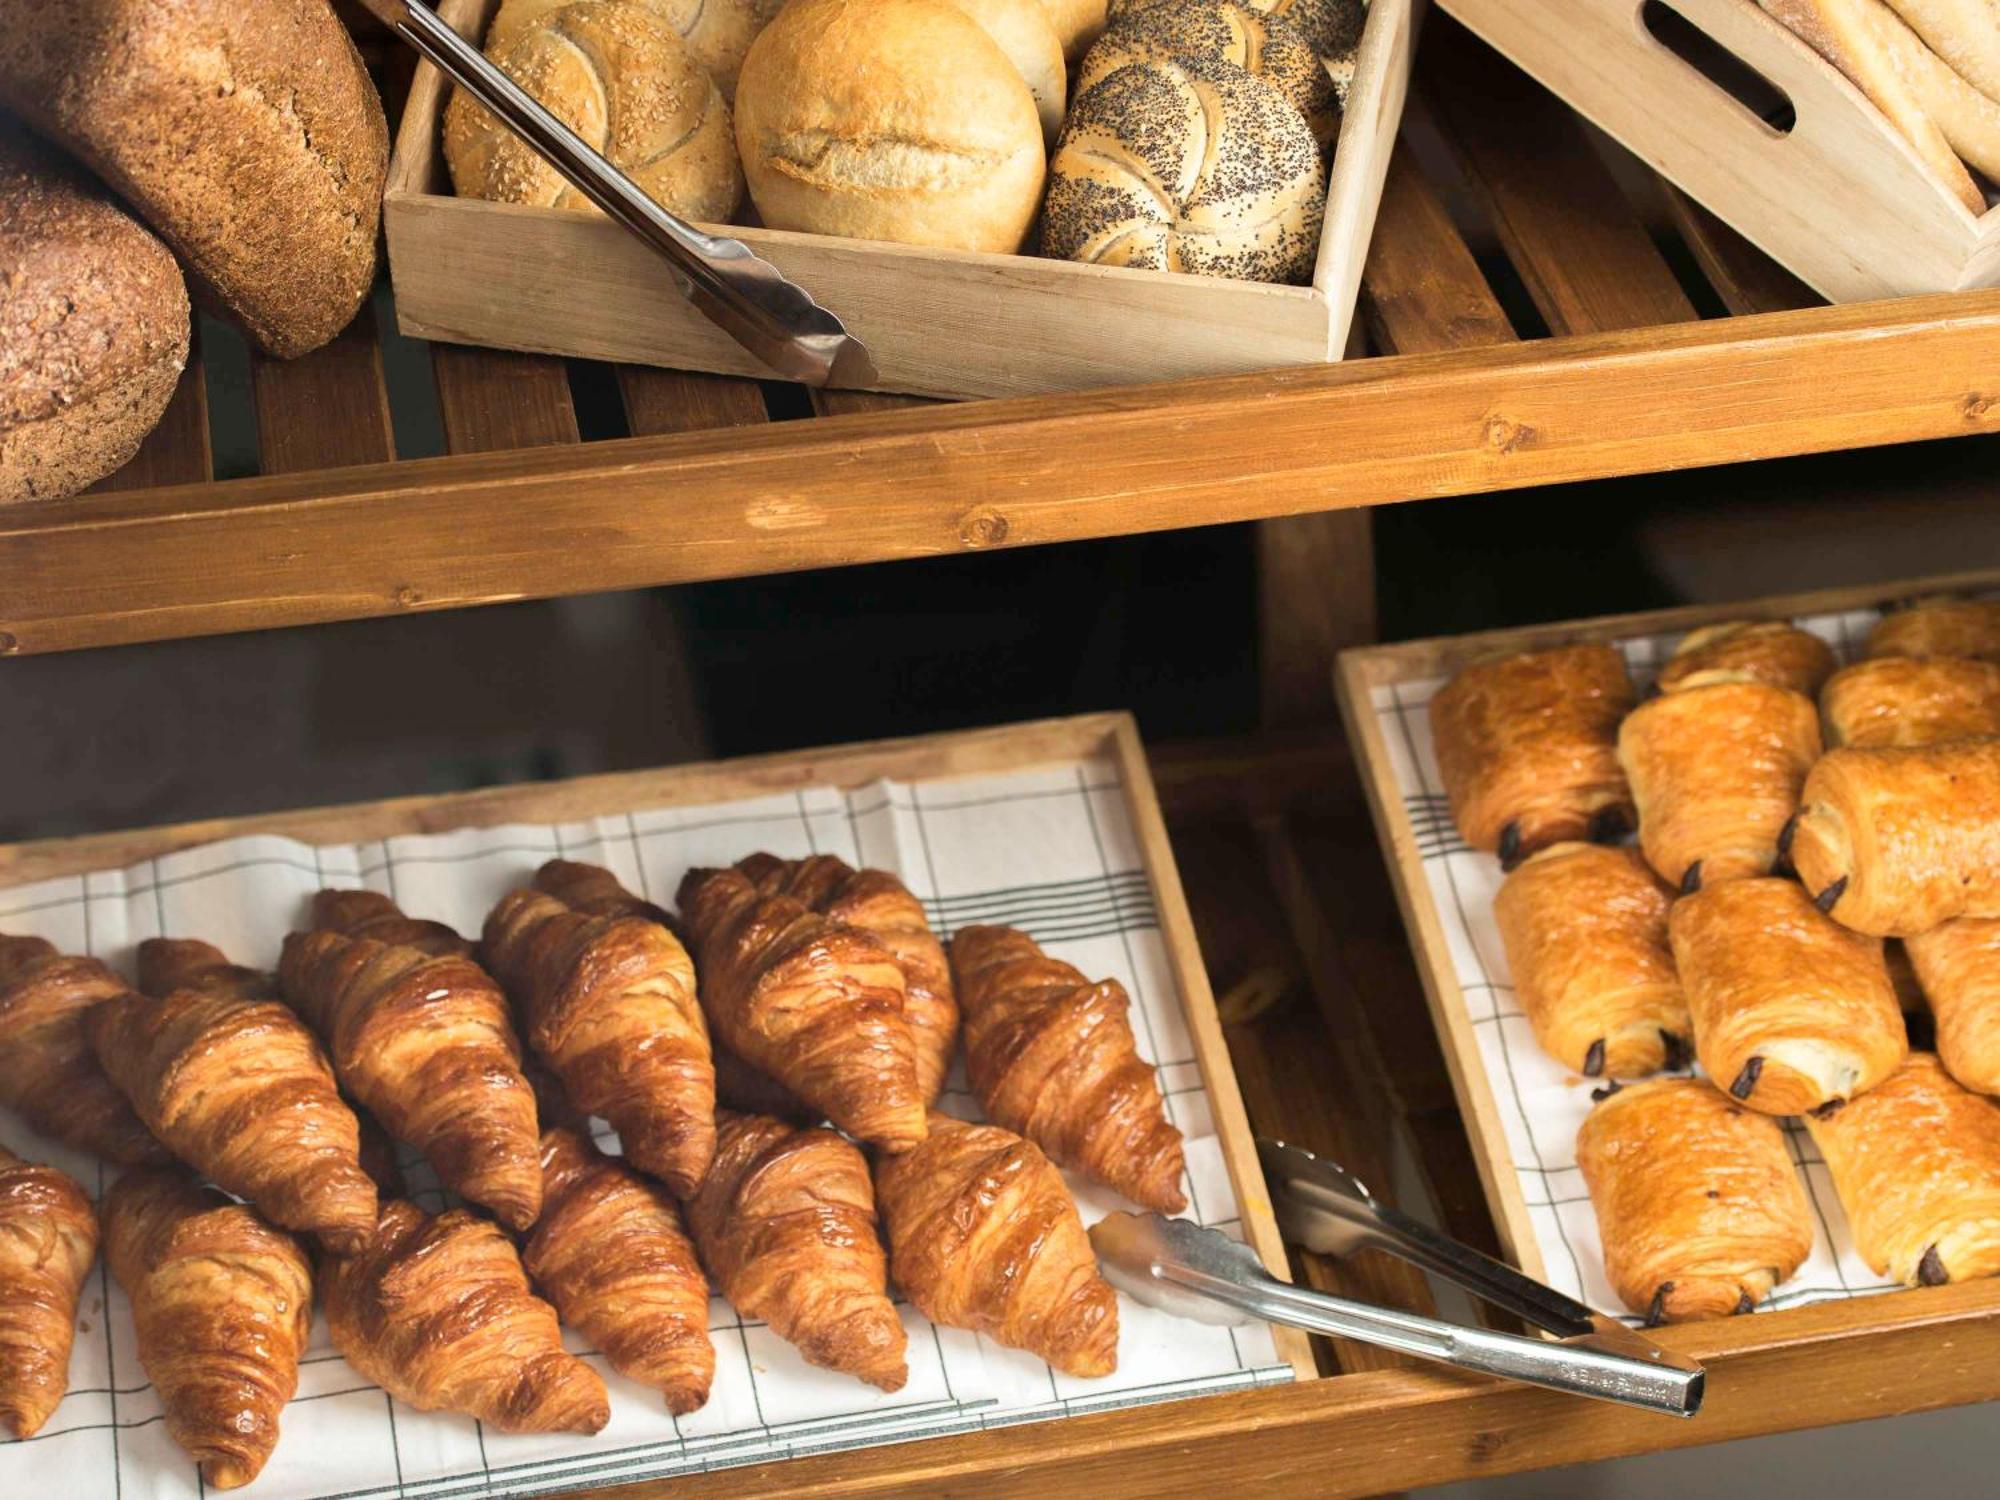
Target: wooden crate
938,322
1839,198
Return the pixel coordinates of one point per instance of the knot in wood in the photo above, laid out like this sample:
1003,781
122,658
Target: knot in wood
1505,435
407,597
1976,406
9,643
982,526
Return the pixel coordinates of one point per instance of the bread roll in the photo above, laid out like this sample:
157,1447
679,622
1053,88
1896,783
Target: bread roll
93,327
1187,164
248,136
889,120
1022,30
1332,28
1078,23
620,77
717,32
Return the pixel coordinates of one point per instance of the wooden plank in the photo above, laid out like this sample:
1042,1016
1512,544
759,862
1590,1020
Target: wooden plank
490,400
663,401
1747,280
1315,598
948,479
850,403
1423,291
177,451
323,410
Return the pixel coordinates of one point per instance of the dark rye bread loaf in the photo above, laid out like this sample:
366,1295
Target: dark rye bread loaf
93,326
246,134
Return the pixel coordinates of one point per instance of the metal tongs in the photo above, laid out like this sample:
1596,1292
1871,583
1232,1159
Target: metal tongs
741,293
1180,1267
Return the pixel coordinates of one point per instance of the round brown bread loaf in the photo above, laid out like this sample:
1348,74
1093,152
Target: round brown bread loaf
1078,23
248,136
889,120
1189,164
1022,30
93,327
717,32
620,77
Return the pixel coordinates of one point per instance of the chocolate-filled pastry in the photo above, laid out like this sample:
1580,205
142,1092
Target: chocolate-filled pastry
1585,929
1895,841
1698,1205
1916,1163
1940,627
48,1240
1527,749
1904,700
1792,1012
1768,651
1715,771
1958,966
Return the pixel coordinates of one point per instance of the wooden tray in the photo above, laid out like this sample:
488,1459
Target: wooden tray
938,322
1839,197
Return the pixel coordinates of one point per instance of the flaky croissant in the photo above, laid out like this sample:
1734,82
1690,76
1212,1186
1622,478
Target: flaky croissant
223,1305
229,1078
594,891
425,1044
785,1222
983,1235
1769,651
437,1311
48,1239
610,1253
48,1074
1051,1056
816,1005
608,1003
370,914
880,905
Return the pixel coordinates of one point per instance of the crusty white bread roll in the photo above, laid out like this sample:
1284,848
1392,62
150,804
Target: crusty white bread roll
717,32
247,136
1078,23
93,326
1256,41
1964,33
1189,164
1969,119
889,120
620,77
1023,31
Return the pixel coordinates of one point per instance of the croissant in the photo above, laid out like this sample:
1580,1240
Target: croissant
610,1253
880,905
372,915
1895,841
1525,748
1716,770
983,1235
48,1074
785,1222
425,1044
231,1081
222,1303
608,1002
1585,932
1940,627
1900,700
1792,1012
1051,1057
1958,969
1698,1205
816,1005
1768,651
1916,1164
595,891
48,1239
437,1311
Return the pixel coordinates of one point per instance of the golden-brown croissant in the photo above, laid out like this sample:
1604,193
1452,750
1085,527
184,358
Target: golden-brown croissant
610,1253
1940,627
1958,969
1895,841
48,1074
424,1043
1916,1163
1526,749
880,905
816,1005
785,1222
1758,650
608,1002
223,1305
1051,1057
1698,1205
595,891
1585,931
1902,700
1792,1012
437,1311
983,1235
1715,770
372,915
229,1078
48,1239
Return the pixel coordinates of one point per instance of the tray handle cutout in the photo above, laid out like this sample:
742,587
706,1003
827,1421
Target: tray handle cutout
1770,105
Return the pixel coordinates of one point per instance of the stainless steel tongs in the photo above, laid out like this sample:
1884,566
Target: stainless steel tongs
741,293
1177,1265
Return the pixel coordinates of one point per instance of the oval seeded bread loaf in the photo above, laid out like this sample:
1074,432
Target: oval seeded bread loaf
717,32
247,135
93,327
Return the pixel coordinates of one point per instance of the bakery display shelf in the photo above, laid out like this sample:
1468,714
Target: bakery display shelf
726,477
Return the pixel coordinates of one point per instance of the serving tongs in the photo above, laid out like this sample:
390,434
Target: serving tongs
1183,1268
741,293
